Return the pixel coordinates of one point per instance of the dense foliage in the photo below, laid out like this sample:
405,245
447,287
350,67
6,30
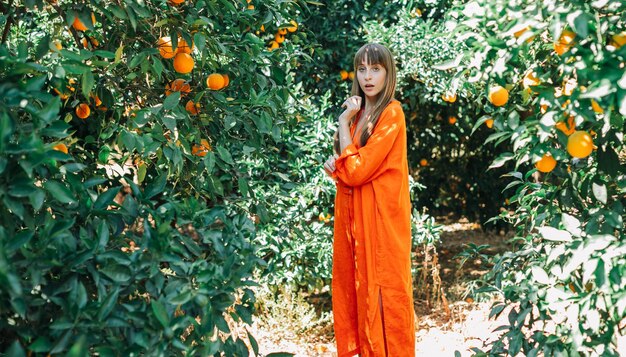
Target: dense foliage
126,217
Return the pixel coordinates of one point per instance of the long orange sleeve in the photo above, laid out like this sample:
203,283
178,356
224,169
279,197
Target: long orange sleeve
358,166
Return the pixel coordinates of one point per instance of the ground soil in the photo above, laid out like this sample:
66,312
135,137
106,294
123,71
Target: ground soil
441,329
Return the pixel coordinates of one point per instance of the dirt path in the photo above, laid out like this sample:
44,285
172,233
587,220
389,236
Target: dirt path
292,325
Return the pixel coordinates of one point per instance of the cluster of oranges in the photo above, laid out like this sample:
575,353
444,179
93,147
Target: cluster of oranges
183,62
215,81
280,35
345,75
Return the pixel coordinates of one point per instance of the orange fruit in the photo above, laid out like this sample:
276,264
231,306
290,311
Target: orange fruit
202,149
183,63
498,96
96,100
452,120
423,162
282,31
449,97
344,74
619,39
79,25
565,42
580,144
164,44
530,79
293,27
226,80
250,7
60,147
273,45
183,46
546,164
192,108
351,75
83,111
279,38
177,85
569,128
596,107
215,81
177,2
58,45
489,123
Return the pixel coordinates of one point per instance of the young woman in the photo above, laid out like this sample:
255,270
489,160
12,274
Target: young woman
372,291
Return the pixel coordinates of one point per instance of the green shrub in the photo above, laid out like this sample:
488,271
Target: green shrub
130,243
565,285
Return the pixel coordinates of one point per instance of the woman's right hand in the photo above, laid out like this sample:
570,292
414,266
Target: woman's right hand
329,165
352,106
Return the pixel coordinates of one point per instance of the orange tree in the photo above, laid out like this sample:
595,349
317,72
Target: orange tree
126,213
551,76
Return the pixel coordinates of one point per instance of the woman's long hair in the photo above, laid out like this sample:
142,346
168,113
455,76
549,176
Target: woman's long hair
373,53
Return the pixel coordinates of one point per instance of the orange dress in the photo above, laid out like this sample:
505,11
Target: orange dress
372,292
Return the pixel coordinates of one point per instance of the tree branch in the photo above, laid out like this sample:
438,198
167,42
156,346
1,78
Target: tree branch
7,26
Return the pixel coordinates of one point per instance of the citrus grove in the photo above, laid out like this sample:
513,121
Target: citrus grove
160,159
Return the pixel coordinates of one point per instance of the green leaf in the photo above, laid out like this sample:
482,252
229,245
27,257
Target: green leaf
156,187
41,344
171,100
108,304
79,349
59,191
501,160
555,235
103,235
118,273
540,275
579,21
87,83
105,198
15,350
81,300
160,313
608,161
225,155
104,54
600,273
599,192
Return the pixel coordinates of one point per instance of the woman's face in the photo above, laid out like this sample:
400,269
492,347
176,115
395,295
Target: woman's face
371,78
